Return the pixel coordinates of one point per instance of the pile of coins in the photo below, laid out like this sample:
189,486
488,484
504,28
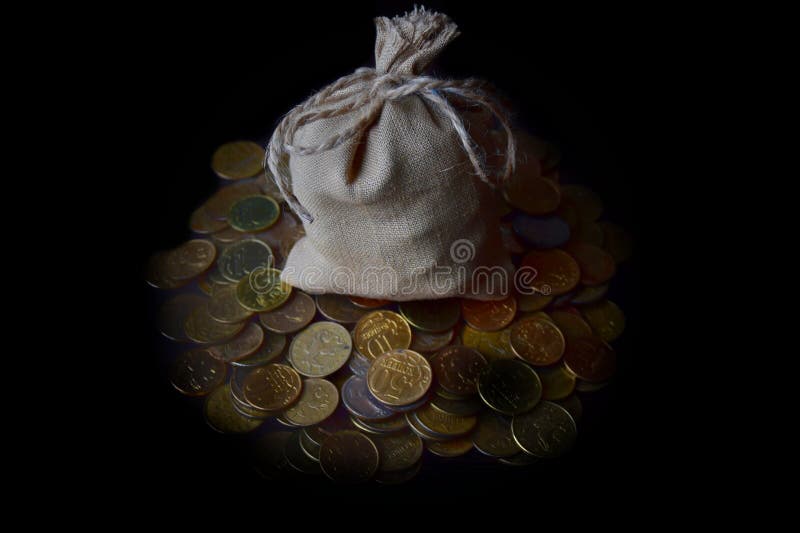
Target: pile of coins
358,389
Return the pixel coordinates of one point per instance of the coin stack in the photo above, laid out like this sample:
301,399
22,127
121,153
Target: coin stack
358,389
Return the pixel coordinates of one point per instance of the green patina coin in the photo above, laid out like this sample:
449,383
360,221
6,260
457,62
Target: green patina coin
254,213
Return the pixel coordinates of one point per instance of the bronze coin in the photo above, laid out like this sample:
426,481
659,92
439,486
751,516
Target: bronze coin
491,315
339,308
272,387
245,343
368,303
597,266
510,387
591,359
457,369
536,341
196,373
549,272
292,316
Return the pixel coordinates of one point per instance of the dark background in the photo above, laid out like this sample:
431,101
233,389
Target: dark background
579,79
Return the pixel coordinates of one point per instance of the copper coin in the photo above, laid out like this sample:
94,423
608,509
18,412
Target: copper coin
272,387
537,341
190,259
339,308
368,303
202,221
196,373
245,343
292,316
238,160
534,195
591,359
553,272
221,201
399,378
457,369
597,266
492,315
570,324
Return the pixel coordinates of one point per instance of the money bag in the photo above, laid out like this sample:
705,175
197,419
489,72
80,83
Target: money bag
385,170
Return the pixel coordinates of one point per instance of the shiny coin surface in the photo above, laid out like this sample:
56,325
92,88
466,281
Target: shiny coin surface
555,271
196,373
557,382
358,401
294,315
457,369
535,196
201,328
380,332
426,342
367,303
173,314
349,457
587,203
190,259
591,359
221,415
243,257
541,232
442,424
270,350
491,344
254,213
547,431
242,345
493,436
399,378
536,341
317,402
225,307
339,308
597,266
202,221
490,315
606,319
399,451
432,315
238,160
321,349
571,325
262,290
450,448
510,387
272,387
616,241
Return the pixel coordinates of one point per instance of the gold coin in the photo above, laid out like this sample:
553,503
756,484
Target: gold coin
221,415
224,307
547,431
239,347
457,369
202,221
538,342
587,203
196,373
339,308
398,452
399,378
571,324
432,315
493,436
156,273
190,259
426,342
379,332
534,195
606,319
349,457
616,241
596,265
242,258
262,290
173,314
450,448
317,402
254,213
557,382
201,328
321,349
533,302
272,387
442,424
556,272
270,349
294,315
491,344
238,160
510,387
491,315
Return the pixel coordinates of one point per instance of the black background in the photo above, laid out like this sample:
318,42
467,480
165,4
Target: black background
580,79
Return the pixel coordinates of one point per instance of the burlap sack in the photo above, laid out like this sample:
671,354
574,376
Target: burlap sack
392,190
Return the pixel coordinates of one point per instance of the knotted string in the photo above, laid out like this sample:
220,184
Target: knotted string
369,103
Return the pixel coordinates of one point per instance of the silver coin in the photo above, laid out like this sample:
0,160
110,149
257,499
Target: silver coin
360,403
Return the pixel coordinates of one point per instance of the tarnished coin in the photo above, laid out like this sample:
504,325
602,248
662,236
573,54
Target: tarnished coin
588,295
432,315
400,377
571,325
339,308
398,452
616,241
555,272
156,273
457,369
379,332
262,290
597,266
238,160
557,382
225,307
190,259
201,328
442,424
349,457
297,458
536,341
591,359
243,257
202,221
426,342
221,201
254,213
221,415
242,345
320,350
196,373
547,431
541,232
492,315
510,387
535,196
173,314
461,407
367,303
450,448
294,315
533,302
270,350
317,402
358,401
381,427
587,203
272,387
491,344
606,319
493,437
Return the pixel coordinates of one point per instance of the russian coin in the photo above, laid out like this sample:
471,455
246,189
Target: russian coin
320,350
